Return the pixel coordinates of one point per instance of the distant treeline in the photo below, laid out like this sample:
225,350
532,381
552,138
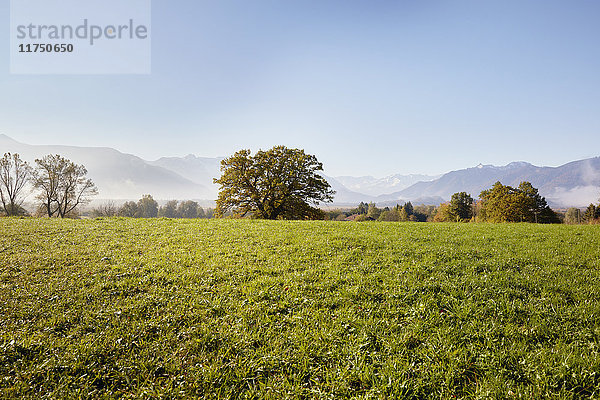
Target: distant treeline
501,203
61,187
147,207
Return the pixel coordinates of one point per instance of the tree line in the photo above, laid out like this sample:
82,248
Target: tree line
500,203
591,215
280,183
147,207
283,183
61,187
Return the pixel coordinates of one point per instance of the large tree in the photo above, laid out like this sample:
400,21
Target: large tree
279,183
507,204
62,184
14,175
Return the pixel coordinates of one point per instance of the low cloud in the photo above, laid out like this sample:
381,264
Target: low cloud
580,196
589,174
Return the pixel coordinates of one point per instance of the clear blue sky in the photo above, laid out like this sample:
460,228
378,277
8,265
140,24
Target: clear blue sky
370,87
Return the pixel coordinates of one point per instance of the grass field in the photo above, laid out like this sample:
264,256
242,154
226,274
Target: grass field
247,309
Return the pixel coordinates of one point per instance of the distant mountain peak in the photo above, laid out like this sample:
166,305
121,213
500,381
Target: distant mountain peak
517,164
512,165
7,138
125,176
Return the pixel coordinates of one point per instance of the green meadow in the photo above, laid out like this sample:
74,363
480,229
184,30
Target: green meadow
124,308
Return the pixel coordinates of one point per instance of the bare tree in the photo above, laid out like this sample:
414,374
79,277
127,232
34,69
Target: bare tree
14,175
106,209
63,185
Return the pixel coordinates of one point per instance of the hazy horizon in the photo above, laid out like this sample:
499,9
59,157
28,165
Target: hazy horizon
126,176
370,89
364,175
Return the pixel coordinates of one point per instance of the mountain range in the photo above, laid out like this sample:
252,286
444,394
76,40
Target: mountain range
122,176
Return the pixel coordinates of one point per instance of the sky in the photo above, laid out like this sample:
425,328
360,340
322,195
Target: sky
369,87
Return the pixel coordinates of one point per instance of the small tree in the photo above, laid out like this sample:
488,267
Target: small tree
461,207
363,208
169,210
63,185
147,207
591,213
128,209
573,216
408,207
107,209
403,214
507,204
14,175
373,212
443,213
389,215
189,209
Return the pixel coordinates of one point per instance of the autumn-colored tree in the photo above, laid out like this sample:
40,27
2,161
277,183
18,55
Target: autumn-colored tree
443,214
573,216
279,183
507,204
403,214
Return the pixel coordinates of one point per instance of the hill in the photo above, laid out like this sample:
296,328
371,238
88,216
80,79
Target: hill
573,184
117,175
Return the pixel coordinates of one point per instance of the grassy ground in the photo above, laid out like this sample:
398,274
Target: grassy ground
246,309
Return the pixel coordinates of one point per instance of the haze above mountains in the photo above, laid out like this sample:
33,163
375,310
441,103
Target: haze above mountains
122,176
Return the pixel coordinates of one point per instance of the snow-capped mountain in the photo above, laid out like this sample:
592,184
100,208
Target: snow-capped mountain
378,186
574,184
125,176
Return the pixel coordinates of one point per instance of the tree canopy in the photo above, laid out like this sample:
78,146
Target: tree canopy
591,213
279,183
503,203
62,184
14,175
147,207
461,206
